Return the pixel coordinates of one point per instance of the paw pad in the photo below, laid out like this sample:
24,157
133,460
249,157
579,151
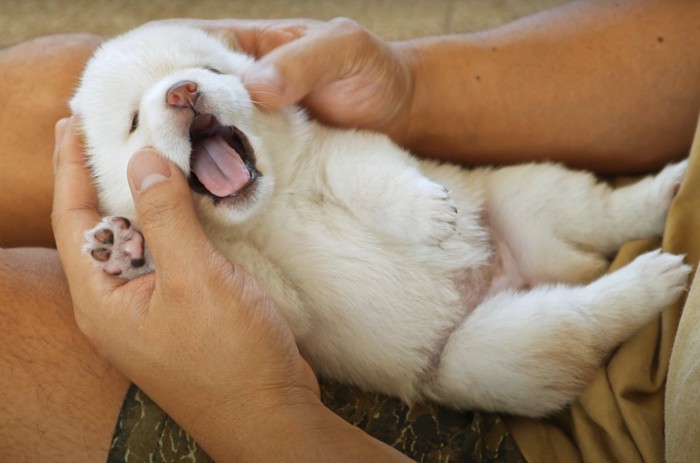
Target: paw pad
117,248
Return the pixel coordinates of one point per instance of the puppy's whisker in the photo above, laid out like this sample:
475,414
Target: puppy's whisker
261,105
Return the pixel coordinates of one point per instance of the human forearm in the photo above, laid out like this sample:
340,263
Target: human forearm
302,432
611,86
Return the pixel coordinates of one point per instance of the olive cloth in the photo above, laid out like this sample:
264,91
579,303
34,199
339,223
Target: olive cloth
145,434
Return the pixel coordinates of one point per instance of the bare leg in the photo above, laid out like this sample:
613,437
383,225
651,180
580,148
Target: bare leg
37,78
59,400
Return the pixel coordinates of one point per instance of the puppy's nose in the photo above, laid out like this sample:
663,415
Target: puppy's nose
183,94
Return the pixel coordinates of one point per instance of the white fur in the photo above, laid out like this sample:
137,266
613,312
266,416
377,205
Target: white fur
399,275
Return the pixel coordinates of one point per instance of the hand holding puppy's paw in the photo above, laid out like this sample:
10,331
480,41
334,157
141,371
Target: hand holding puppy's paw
118,248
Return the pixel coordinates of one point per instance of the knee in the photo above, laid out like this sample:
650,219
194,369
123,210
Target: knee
68,49
45,69
53,54
83,43
50,44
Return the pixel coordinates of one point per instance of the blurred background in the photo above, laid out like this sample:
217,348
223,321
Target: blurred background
391,19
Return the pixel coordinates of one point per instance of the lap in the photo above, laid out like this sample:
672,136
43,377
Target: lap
60,399
38,79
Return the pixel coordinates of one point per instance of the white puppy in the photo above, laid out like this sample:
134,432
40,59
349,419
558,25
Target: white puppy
473,288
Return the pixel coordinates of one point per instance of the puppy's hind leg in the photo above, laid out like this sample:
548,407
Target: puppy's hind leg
532,353
639,210
563,225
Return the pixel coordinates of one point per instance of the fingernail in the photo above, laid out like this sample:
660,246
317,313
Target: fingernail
147,168
60,129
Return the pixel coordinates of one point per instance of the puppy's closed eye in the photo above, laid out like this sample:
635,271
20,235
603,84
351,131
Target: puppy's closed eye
134,122
214,70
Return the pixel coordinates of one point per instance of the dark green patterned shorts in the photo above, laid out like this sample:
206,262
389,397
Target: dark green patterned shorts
426,433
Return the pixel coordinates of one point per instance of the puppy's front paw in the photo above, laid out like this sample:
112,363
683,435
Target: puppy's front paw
439,212
429,217
117,248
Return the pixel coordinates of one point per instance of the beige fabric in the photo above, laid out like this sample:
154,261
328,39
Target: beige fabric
683,389
620,417
682,392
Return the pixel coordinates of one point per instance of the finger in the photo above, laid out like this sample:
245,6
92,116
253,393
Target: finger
166,213
59,133
290,72
255,37
74,192
258,37
75,200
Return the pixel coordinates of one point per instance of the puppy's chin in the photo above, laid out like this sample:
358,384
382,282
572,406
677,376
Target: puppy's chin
237,209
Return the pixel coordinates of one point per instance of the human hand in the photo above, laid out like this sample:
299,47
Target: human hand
342,73
199,335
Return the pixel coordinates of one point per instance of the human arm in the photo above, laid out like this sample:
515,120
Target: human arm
604,85
198,335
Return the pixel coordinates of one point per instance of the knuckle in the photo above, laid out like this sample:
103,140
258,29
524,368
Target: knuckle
271,35
353,33
345,24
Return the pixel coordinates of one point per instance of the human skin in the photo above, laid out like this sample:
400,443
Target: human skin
38,78
59,398
608,86
627,108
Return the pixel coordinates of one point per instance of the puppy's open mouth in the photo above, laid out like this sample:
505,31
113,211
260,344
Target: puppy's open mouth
222,159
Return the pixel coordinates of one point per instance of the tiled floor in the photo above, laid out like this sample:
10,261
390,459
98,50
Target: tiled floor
392,19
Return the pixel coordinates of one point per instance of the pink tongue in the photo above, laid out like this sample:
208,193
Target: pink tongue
219,167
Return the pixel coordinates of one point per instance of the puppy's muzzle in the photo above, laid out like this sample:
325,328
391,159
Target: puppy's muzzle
222,159
183,94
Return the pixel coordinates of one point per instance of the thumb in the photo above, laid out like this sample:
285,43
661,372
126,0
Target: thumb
290,72
165,211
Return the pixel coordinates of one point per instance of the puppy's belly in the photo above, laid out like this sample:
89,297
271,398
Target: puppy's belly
500,273
505,271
